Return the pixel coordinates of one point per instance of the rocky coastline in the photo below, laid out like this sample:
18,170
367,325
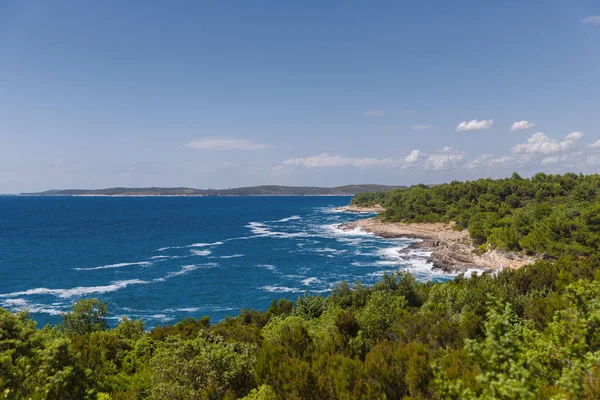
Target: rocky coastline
451,250
359,209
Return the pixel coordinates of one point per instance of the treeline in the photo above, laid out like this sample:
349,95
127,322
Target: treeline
547,214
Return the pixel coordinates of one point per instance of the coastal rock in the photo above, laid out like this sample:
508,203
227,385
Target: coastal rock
358,209
451,250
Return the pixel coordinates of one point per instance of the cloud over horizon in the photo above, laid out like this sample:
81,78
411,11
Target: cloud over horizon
539,143
217,143
325,160
474,125
439,160
444,159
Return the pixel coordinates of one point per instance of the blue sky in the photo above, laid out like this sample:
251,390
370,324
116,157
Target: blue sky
223,94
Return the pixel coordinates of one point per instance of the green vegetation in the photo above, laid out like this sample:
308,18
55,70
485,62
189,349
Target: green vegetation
553,215
531,333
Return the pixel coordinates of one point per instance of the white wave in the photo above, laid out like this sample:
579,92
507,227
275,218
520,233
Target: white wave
336,230
381,273
171,247
311,280
77,291
188,309
350,241
292,276
292,218
200,252
362,264
391,253
34,308
191,245
329,250
15,302
166,257
113,287
270,267
330,210
259,229
118,265
184,270
233,256
205,244
161,317
280,289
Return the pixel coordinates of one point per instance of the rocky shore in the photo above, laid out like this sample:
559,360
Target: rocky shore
451,250
356,209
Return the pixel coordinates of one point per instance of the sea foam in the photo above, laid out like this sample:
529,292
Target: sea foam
110,266
280,289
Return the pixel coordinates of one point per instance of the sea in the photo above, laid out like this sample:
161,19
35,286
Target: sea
162,259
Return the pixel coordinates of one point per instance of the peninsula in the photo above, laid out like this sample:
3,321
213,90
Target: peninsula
265,190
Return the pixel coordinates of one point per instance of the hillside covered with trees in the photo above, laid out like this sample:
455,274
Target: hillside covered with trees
547,214
530,333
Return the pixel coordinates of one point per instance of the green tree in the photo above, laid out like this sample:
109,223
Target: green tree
86,316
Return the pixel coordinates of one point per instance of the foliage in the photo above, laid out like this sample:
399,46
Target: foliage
549,214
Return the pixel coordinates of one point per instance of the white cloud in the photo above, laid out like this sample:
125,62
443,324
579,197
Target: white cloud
374,113
419,127
595,145
521,125
474,125
488,161
216,143
413,157
593,19
574,136
554,159
445,159
328,160
539,143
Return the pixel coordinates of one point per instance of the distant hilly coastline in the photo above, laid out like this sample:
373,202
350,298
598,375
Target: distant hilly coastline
266,190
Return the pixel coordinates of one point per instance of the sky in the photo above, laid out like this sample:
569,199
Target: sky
218,94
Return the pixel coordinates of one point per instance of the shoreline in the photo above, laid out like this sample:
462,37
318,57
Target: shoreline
361,210
451,250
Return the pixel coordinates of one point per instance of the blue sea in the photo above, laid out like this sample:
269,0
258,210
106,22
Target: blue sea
162,259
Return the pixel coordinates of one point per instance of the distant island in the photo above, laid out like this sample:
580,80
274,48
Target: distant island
266,190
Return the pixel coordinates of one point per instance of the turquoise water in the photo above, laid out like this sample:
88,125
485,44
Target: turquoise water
161,259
